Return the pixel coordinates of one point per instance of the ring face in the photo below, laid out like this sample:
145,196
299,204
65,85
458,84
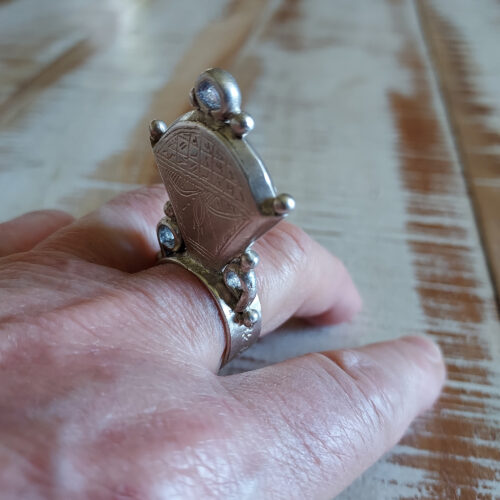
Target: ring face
217,212
221,200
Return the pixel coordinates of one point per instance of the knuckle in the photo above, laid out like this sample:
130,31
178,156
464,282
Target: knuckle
60,216
148,196
362,381
288,245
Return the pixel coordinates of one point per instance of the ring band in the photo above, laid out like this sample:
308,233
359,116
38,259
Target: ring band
241,329
221,199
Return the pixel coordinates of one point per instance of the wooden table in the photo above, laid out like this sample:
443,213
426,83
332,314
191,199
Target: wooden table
382,118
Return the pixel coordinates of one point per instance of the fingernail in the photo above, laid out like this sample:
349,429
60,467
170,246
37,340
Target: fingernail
429,348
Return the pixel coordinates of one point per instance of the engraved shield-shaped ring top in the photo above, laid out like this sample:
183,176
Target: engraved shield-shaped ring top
221,194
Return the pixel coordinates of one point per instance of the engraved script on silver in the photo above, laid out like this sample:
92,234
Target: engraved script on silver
221,199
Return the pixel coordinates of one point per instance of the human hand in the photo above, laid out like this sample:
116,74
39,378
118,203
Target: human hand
109,386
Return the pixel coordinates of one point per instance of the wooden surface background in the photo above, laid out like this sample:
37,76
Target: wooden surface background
381,117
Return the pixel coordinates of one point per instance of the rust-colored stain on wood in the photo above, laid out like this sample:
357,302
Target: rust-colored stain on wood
282,29
420,136
76,55
28,90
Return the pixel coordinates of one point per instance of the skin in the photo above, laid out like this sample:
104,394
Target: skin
109,386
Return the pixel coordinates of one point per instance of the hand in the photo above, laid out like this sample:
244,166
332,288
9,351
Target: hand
109,387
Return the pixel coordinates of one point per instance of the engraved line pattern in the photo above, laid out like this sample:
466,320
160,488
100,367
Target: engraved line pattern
212,202
195,154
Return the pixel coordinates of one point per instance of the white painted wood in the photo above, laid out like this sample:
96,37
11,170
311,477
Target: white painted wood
52,150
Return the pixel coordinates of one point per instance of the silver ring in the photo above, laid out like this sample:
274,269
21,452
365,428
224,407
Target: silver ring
221,199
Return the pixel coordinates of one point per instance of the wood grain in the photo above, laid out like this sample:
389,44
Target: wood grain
468,70
364,112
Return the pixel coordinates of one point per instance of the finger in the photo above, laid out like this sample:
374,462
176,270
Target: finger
296,277
324,418
26,231
121,234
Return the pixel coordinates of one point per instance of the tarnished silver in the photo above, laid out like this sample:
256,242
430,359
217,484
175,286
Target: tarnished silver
221,200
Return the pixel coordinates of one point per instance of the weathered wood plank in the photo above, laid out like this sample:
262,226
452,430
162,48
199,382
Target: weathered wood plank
349,119
464,39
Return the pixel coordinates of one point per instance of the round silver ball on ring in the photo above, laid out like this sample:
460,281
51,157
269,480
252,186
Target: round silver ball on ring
249,260
283,204
241,123
250,317
156,129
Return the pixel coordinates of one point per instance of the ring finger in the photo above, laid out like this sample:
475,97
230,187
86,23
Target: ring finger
296,275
